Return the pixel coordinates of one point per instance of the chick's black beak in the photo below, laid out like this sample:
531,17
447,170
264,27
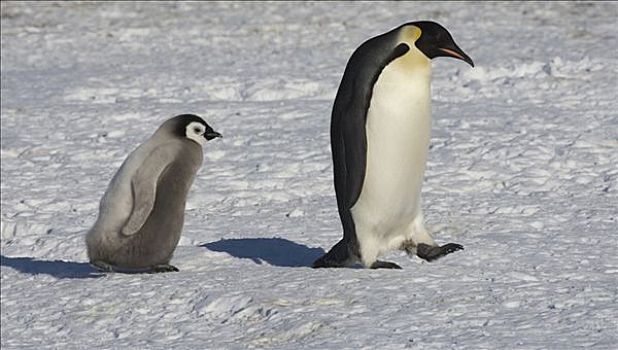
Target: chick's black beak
456,52
209,135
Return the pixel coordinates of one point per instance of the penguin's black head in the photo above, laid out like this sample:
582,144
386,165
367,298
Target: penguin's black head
194,128
436,41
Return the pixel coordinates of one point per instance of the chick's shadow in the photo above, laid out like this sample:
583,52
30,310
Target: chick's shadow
55,268
273,251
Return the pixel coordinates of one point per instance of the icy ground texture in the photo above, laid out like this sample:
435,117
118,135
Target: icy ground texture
523,172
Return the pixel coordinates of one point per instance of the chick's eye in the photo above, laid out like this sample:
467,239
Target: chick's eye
197,130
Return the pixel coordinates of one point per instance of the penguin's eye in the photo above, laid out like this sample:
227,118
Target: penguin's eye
196,130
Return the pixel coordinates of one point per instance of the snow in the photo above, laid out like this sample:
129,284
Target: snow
522,171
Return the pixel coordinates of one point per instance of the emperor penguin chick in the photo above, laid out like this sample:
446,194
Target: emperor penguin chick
380,128
142,212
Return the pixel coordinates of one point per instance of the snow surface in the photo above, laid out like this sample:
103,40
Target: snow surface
522,171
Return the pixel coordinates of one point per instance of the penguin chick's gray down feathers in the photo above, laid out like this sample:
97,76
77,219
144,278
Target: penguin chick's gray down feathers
142,212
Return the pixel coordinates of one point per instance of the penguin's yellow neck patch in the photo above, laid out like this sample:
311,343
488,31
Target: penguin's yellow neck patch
413,59
409,34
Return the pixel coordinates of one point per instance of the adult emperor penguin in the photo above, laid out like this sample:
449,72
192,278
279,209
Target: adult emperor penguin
142,212
380,128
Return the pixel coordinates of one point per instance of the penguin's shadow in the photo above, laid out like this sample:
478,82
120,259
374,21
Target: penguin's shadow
273,251
55,268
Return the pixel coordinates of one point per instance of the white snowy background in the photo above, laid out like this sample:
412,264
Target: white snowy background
523,172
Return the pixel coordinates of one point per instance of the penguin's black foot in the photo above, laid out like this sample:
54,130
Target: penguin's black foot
338,256
102,266
324,262
163,268
431,253
384,265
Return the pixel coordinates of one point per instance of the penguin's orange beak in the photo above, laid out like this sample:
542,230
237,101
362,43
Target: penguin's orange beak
457,53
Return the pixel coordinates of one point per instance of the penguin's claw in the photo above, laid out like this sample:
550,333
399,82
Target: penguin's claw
102,266
451,247
431,253
384,265
164,268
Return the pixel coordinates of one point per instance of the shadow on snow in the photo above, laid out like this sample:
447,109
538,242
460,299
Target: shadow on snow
273,251
55,268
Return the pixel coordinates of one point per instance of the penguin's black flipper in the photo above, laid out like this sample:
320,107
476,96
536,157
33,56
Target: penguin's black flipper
338,256
431,253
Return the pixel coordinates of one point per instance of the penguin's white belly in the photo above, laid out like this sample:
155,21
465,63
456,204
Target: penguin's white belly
398,129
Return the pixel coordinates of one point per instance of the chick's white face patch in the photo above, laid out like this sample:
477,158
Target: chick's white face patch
195,131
